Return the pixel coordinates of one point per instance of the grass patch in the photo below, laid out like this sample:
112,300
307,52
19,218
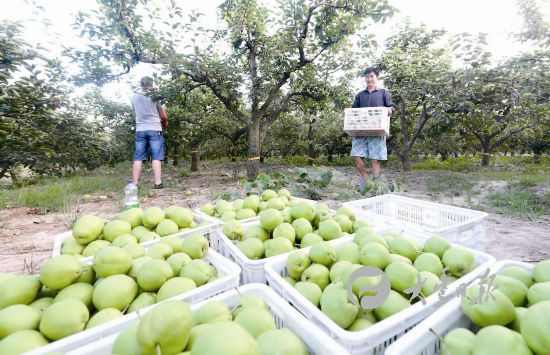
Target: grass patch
449,184
460,164
56,194
517,201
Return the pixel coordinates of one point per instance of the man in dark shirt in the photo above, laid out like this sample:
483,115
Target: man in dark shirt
372,147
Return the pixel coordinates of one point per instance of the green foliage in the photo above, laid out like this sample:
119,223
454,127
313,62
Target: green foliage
379,187
460,164
518,201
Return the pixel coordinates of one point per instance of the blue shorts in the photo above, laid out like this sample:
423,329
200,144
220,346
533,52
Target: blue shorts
369,147
149,140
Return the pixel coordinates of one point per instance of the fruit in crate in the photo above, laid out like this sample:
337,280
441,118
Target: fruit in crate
332,264
69,296
247,328
506,329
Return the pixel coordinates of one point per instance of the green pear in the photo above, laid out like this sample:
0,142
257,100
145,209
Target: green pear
285,230
483,310
173,242
358,224
22,342
19,290
42,303
228,338
253,248
329,229
405,247
541,272
430,283
277,246
302,227
302,210
145,299
539,292
198,271
459,341
290,280
87,228
270,219
103,316
324,215
393,304
309,290
516,324
255,320
318,274
429,262
345,223
336,305
175,286
116,228
80,291
245,213
397,257
137,264
153,274
276,203
296,263
459,260
165,328
64,318
252,202
346,211
515,290
496,339
134,216
135,250
148,237
256,231
166,227
160,251
309,239
116,291
215,311
367,235
92,248
126,342
348,251
281,342
195,245
228,216
208,209
268,195
233,229
517,273
60,271
401,275
335,273
71,247
374,254
177,261
359,324
436,245
183,217
249,300
152,217
139,231
18,317
322,253
111,260
535,328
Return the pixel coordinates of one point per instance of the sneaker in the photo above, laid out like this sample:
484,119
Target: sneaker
159,186
361,183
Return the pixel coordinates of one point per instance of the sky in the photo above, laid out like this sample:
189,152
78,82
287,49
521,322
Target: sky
497,18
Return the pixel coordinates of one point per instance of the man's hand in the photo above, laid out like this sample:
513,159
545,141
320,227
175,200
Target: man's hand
164,123
163,118
390,111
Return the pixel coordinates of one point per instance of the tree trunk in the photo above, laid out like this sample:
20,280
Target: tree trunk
195,157
3,172
234,153
485,156
536,156
253,163
405,158
176,158
310,150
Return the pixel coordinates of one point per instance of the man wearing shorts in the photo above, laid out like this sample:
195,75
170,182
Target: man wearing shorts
150,119
373,148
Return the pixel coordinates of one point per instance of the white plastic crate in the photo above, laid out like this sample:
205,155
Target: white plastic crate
284,315
199,217
421,341
228,281
367,121
378,337
459,225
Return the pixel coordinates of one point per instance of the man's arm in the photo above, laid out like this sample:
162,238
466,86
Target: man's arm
163,117
389,103
356,103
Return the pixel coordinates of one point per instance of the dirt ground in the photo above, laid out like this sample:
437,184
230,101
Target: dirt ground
26,238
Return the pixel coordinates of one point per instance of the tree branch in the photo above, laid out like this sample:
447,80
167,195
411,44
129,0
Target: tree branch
503,139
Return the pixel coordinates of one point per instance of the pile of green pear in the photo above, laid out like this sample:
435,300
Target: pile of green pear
171,328
131,227
322,275
514,318
69,296
240,209
300,226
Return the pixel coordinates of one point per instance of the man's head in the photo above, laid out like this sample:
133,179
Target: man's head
371,76
146,82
